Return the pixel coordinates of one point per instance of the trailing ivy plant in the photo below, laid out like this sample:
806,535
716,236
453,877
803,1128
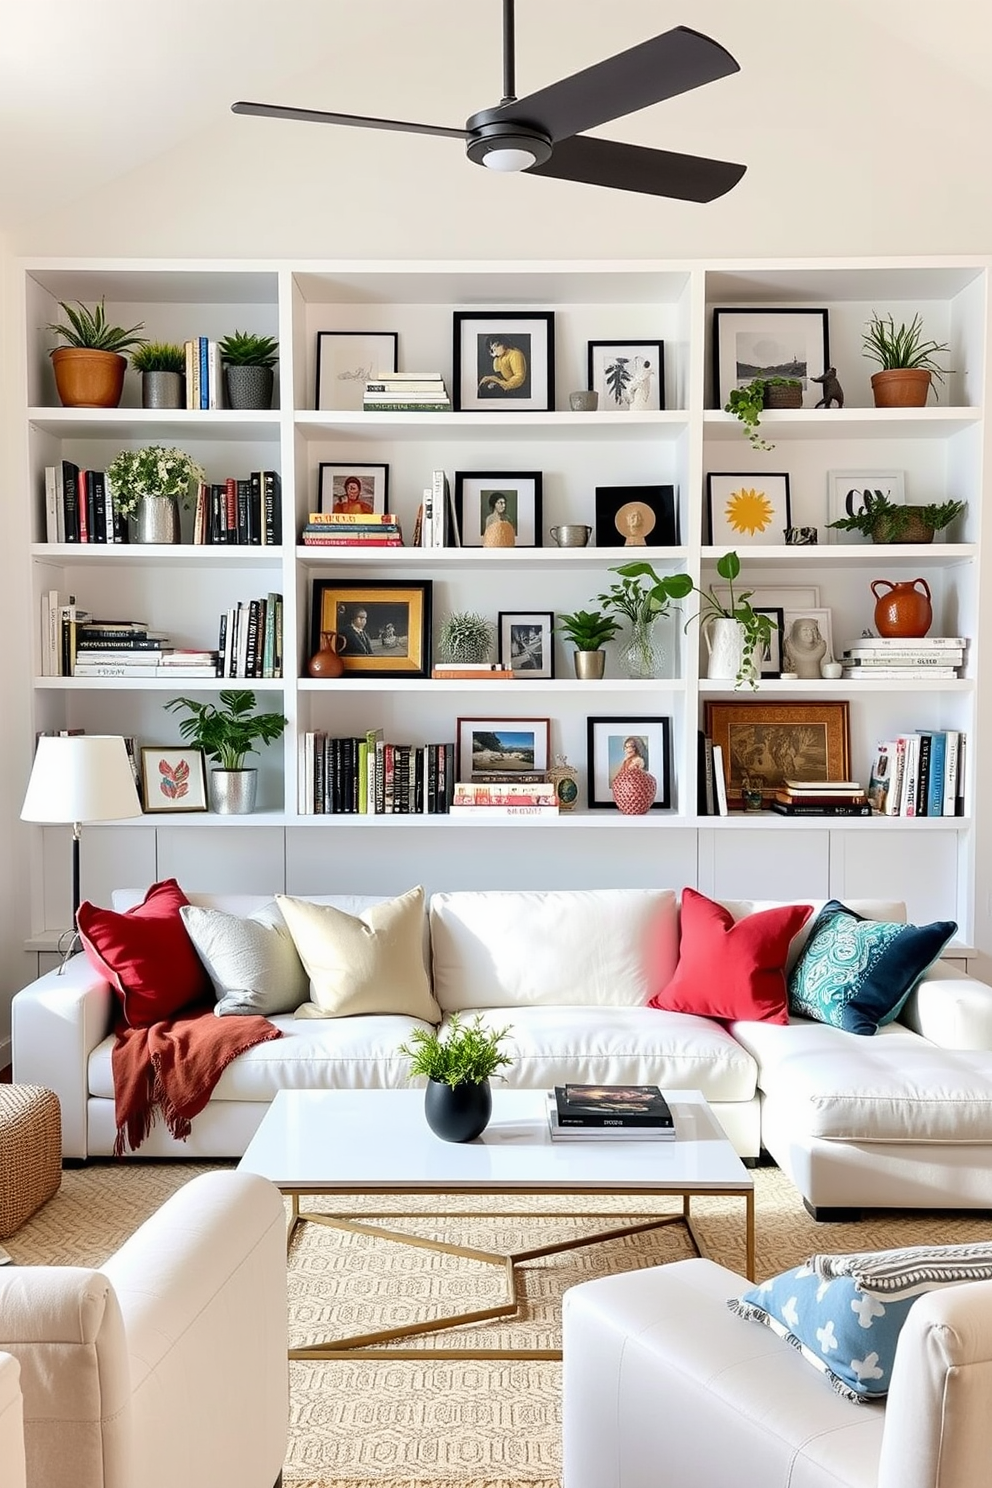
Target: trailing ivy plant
748,403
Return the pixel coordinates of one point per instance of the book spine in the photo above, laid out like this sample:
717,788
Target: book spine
83,506
439,488
272,507
959,799
215,386
95,484
935,786
230,490
204,365
951,746
242,507
911,772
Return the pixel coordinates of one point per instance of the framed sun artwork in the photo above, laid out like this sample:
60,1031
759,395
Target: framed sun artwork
747,510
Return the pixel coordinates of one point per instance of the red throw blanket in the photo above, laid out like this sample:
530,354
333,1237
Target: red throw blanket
173,1066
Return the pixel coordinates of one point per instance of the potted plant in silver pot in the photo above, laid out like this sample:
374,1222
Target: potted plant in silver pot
149,484
227,735
162,366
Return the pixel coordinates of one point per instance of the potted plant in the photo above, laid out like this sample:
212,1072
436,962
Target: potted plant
640,656
465,637
588,630
148,484
735,634
457,1065
884,521
248,362
227,734
163,374
89,369
750,401
906,358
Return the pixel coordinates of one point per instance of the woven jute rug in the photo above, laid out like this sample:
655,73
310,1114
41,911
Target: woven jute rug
371,1423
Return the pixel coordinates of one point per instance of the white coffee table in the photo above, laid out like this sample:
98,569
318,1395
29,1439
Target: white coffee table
349,1142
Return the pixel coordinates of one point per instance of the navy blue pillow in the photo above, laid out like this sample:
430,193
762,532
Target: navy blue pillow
857,973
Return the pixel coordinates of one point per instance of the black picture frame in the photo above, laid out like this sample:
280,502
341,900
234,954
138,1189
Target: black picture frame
659,502
770,661
530,332
404,604
345,362
769,341
762,510
523,508
628,375
526,640
605,750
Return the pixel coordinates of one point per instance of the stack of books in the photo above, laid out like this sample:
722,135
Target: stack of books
352,530
512,800
876,657
468,671
821,798
593,1113
437,520
407,392
919,774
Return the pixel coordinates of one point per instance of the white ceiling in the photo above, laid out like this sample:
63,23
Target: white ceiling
93,90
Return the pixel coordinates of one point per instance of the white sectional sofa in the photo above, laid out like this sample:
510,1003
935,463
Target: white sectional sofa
900,1119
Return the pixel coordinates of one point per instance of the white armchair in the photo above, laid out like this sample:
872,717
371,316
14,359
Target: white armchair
664,1387
11,1424
168,1365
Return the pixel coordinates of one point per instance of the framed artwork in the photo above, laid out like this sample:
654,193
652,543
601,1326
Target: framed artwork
636,516
846,493
352,488
526,642
617,744
504,359
747,510
173,779
486,497
803,630
345,362
788,596
629,376
772,742
770,660
502,746
386,624
764,342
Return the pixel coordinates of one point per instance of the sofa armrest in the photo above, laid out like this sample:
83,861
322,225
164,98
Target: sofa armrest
11,1424
56,1023
950,1009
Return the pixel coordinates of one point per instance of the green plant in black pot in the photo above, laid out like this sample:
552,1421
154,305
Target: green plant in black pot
248,362
227,734
750,401
458,1064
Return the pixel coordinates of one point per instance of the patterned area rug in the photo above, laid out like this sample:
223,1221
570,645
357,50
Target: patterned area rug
369,1423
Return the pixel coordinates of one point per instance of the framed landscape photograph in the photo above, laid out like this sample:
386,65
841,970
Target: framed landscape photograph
629,376
618,744
772,742
636,516
526,642
345,362
747,510
846,491
351,488
484,498
770,661
173,779
386,624
502,746
504,359
765,342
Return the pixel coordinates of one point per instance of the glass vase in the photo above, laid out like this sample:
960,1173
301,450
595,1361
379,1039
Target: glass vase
641,653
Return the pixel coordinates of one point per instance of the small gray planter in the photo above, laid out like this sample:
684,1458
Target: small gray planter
248,387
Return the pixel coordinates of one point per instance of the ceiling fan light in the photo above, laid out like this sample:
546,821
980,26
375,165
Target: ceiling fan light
509,159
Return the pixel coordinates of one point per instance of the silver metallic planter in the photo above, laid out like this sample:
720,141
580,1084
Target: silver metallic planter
232,792
163,390
157,520
589,665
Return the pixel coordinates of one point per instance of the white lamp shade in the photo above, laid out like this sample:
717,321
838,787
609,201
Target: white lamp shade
81,778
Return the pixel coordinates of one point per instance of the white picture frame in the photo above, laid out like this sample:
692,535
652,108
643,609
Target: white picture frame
822,618
751,510
346,360
891,483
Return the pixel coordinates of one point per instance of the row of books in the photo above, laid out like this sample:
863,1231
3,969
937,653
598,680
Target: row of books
243,510
919,774
588,1113
899,657
437,521
204,373
369,775
406,392
711,780
79,506
250,638
507,799
351,529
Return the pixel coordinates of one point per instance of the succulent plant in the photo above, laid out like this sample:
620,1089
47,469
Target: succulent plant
90,329
588,630
242,349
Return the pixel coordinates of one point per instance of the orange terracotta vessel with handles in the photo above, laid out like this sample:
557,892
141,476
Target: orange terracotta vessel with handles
902,609
326,663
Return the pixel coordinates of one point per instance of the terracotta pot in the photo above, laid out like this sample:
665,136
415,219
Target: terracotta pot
326,663
902,609
902,387
634,791
88,379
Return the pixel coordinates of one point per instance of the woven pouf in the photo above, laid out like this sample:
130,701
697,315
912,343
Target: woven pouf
30,1152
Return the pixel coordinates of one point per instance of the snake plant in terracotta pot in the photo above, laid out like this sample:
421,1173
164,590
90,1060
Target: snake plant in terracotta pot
89,369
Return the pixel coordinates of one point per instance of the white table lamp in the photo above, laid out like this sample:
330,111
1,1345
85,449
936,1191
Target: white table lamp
80,778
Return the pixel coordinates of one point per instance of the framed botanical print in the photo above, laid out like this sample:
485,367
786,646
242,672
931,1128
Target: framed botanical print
762,341
346,360
526,642
173,779
504,360
385,624
619,744
508,500
747,510
629,376
348,487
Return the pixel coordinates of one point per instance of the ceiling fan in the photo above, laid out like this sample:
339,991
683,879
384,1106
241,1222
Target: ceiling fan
541,134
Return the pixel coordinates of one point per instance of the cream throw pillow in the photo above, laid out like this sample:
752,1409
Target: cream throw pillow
368,964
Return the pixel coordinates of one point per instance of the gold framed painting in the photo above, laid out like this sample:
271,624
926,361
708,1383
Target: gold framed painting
385,624
769,743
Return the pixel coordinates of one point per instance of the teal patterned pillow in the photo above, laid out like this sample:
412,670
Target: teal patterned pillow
856,973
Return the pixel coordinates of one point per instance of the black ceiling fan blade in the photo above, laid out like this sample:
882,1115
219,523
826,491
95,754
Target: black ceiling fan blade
599,162
319,116
667,65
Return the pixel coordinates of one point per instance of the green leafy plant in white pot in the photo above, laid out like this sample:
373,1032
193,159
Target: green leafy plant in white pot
227,734
458,1064
148,485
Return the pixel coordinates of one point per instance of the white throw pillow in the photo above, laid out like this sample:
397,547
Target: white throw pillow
252,962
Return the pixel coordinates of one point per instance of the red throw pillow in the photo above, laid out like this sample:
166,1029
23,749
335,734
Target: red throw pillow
146,954
730,970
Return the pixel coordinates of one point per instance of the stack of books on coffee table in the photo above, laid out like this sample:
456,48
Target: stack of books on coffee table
592,1113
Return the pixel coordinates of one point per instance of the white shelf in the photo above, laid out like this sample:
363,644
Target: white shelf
531,690
153,684
847,423
155,555
851,555
775,687
155,423
465,559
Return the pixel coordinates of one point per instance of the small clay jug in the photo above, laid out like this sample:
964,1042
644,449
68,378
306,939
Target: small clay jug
327,663
902,609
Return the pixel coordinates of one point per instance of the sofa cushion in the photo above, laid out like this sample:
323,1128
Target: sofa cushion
577,947
251,960
856,973
145,954
368,963
729,968
869,909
